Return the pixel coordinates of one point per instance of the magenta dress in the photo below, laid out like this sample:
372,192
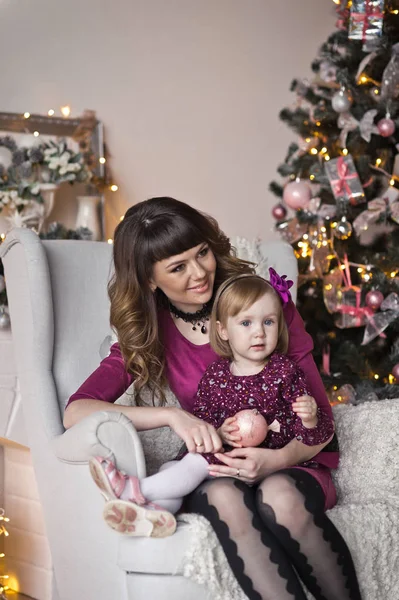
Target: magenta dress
186,363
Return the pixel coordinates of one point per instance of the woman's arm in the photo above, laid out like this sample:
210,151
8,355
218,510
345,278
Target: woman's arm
254,464
191,430
108,382
142,417
295,453
300,351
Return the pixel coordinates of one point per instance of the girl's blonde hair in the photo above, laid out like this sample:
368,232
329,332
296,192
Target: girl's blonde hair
236,294
152,231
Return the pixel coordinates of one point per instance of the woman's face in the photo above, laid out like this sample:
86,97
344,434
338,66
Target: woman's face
187,279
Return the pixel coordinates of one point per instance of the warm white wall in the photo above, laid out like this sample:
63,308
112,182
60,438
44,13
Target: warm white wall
189,90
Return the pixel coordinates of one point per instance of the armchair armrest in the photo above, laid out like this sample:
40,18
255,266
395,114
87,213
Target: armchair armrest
108,434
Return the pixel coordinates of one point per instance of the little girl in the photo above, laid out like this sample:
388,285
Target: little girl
249,332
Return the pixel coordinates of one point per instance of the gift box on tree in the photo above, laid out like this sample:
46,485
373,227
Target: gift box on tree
350,313
365,20
344,180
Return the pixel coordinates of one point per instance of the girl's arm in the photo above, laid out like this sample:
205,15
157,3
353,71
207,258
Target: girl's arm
292,388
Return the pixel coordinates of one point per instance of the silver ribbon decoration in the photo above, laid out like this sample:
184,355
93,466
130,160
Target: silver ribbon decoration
388,204
363,63
390,76
324,211
379,322
348,123
369,216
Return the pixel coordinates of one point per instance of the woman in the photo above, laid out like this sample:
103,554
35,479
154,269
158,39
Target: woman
169,260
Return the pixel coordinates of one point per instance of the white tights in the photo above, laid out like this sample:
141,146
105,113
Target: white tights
175,479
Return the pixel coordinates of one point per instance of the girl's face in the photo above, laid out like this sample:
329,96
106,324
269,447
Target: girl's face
187,279
253,332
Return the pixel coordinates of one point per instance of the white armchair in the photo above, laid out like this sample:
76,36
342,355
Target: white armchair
60,317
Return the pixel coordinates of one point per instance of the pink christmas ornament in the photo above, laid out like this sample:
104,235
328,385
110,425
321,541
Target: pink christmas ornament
386,127
395,372
374,299
252,427
279,212
297,194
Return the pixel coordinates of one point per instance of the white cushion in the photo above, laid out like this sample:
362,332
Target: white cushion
368,436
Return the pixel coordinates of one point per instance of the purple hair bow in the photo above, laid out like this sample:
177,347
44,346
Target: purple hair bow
281,285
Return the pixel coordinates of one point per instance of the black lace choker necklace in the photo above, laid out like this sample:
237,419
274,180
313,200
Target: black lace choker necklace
197,319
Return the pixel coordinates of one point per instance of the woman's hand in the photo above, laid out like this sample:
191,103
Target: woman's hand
198,435
247,464
228,433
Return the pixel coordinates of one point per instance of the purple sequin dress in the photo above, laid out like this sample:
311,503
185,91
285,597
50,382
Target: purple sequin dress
271,391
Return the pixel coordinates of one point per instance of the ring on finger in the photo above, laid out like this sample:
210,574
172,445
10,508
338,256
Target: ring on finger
238,473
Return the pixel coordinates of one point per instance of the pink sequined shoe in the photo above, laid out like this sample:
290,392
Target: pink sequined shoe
132,519
136,516
112,482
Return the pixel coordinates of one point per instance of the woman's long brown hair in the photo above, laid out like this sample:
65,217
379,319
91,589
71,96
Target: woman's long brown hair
151,231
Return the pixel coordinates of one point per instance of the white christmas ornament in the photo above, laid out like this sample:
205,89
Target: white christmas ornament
341,101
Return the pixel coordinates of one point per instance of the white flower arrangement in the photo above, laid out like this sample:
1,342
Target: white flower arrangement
25,181
62,164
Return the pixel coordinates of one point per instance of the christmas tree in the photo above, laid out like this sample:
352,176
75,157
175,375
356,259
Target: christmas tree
342,191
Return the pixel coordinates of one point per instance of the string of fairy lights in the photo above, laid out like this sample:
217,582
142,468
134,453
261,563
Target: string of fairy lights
3,531
305,247
66,113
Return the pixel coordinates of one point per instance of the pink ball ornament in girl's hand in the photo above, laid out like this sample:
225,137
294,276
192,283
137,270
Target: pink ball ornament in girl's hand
252,427
297,194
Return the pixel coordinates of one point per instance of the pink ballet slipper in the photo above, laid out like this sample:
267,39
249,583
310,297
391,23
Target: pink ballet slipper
112,482
133,519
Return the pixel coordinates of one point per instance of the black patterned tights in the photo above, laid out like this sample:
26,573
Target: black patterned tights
274,531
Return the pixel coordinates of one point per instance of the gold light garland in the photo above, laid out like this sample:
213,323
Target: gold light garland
3,531
66,112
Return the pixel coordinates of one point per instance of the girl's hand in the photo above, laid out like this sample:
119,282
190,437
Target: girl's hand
198,435
227,435
306,409
247,464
